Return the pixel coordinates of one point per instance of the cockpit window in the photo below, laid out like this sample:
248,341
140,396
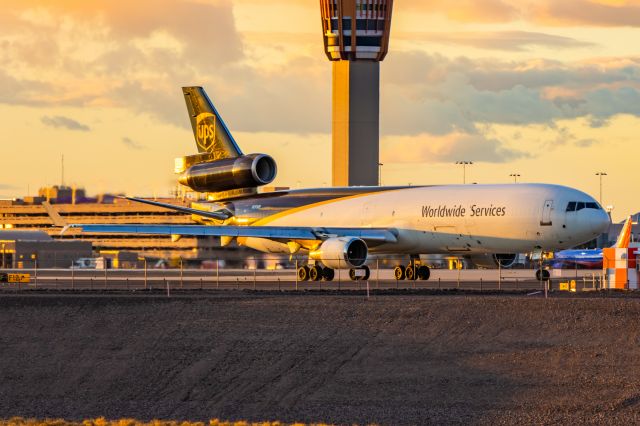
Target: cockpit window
575,206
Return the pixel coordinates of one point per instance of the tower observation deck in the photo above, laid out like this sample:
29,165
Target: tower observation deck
356,38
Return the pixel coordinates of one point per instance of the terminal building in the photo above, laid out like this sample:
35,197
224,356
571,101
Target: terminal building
48,217
37,249
356,39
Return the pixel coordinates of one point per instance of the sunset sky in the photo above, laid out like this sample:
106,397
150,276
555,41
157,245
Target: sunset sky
547,89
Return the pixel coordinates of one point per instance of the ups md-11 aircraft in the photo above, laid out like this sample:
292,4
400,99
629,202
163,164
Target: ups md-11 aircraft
341,228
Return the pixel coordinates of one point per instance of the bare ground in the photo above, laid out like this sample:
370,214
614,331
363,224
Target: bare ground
322,358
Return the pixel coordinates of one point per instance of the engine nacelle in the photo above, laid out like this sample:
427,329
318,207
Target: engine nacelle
342,253
247,171
490,261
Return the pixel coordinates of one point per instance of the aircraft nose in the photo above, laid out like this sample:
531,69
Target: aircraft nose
601,222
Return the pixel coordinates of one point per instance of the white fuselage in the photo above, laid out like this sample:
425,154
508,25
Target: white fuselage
461,219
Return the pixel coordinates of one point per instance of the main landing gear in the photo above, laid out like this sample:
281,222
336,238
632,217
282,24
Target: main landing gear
315,273
414,271
318,273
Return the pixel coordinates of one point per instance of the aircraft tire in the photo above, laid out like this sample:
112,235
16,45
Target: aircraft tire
328,274
410,272
367,273
399,272
352,274
315,273
542,275
303,273
424,273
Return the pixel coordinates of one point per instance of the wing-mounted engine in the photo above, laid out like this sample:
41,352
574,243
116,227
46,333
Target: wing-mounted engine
228,177
341,253
491,261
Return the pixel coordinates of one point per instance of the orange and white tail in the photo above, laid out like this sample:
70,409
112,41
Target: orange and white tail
625,235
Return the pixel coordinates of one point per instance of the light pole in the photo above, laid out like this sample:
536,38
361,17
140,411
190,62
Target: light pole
464,165
380,174
515,177
601,175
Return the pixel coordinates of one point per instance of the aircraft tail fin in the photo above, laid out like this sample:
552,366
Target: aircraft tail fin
209,130
625,235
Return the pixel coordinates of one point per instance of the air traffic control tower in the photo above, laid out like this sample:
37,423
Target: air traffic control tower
356,38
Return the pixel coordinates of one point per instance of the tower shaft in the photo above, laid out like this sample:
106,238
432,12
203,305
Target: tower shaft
356,128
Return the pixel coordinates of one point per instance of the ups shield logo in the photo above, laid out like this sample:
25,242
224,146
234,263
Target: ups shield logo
206,130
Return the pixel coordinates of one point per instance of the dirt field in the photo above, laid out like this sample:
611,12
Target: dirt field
322,358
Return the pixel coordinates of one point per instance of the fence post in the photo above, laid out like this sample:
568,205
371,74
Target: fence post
73,283
181,274
145,273
36,272
255,270
167,285
296,274
105,275
377,273
480,284
217,273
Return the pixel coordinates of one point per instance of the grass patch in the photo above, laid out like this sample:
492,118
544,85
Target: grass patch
19,421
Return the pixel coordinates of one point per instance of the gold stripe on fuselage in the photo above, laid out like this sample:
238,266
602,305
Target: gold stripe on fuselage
269,219
266,220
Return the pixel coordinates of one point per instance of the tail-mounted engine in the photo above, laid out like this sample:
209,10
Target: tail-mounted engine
226,177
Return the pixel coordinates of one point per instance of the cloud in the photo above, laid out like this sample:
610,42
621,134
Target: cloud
438,95
425,148
587,12
84,51
59,121
468,10
548,12
129,143
512,41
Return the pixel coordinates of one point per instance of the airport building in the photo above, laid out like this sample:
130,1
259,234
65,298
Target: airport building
48,217
30,249
356,39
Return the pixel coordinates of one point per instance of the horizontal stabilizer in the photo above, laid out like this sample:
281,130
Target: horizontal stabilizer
218,214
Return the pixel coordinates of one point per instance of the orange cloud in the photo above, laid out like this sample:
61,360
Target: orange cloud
606,13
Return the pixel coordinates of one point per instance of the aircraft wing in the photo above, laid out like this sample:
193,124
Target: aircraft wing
218,214
280,233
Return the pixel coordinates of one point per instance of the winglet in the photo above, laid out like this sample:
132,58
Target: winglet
69,226
625,235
